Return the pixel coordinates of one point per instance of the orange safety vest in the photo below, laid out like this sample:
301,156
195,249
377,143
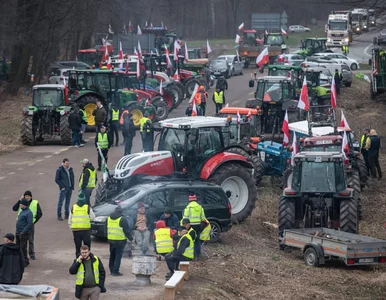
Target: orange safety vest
121,119
198,97
267,97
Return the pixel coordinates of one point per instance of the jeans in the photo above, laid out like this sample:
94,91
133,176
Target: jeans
22,240
374,166
337,86
203,109
87,195
116,252
142,239
104,152
365,155
31,238
82,129
173,261
75,137
218,108
147,142
197,245
79,237
128,144
114,125
64,194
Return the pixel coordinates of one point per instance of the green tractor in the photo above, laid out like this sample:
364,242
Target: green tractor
294,73
310,46
47,117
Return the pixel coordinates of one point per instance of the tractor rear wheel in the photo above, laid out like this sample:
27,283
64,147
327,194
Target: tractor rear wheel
169,98
349,215
101,193
177,95
137,111
89,104
65,131
363,172
180,87
286,214
189,86
239,187
161,109
353,182
27,134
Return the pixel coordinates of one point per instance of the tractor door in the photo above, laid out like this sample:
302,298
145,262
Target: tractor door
174,140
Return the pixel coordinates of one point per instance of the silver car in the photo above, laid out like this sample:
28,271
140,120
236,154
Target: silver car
234,62
298,28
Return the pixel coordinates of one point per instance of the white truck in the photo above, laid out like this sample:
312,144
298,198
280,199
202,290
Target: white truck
338,28
372,18
360,20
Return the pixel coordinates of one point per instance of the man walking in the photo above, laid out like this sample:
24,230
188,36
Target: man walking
114,125
64,178
100,115
364,151
75,124
118,231
200,98
128,132
373,145
37,213
103,141
88,179
23,228
218,99
146,128
11,261
79,222
338,80
222,84
90,275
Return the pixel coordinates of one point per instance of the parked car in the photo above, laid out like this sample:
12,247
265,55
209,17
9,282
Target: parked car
340,58
168,193
298,28
331,67
381,40
234,62
293,59
58,76
220,67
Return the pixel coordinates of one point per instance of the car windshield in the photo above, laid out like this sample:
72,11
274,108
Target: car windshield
48,97
219,62
335,25
317,177
275,40
125,197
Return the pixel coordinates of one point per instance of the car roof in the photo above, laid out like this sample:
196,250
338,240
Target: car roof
48,86
176,183
194,122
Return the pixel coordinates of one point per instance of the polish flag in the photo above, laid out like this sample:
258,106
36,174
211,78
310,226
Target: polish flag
285,130
283,32
343,121
208,49
109,63
195,90
294,150
186,52
249,114
266,32
146,25
345,147
120,55
168,61
241,27
106,56
237,40
176,76
130,29
139,50
194,110
177,47
161,90
303,99
138,69
238,119
263,58
139,31
333,93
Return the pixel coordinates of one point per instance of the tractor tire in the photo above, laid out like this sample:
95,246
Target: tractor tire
100,193
240,188
65,131
363,172
27,135
178,95
137,111
286,179
161,108
151,110
89,104
189,86
349,215
286,214
169,98
353,182
180,88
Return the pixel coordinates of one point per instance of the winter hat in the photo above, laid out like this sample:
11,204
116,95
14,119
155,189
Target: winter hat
118,209
81,197
185,221
28,193
192,197
168,211
10,236
140,204
160,224
24,202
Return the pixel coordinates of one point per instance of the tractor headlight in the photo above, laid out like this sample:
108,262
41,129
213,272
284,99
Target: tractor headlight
123,174
62,112
346,40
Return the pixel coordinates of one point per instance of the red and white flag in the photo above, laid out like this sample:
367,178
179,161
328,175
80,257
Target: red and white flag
177,47
130,29
168,61
333,93
303,99
266,32
194,109
237,40
285,129
343,121
195,90
249,115
186,52
263,58
161,90
109,63
139,50
241,27
283,32
146,25
139,31
345,147
120,55
176,76
106,55
138,69
208,49
294,150
238,119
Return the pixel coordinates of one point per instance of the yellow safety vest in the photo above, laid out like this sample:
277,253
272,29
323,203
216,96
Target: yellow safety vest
80,218
103,140
115,115
80,273
205,234
194,213
189,251
218,97
363,141
163,240
142,122
84,115
114,231
33,206
91,180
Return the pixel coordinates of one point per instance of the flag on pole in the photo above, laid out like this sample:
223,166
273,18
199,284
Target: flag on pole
194,109
120,55
196,87
285,129
345,147
161,90
109,63
146,25
263,58
227,105
294,150
105,42
237,40
303,99
151,25
138,69
283,32
106,55
130,29
266,32
110,30
249,115
105,171
238,56
333,93
238,118
208,49
139,50
241,27
343,122
177,47
168,61
139,31
186,52
176,76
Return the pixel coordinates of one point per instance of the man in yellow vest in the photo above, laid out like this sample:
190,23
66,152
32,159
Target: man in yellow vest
163,238
114,125
90,275
184,250
37,213
364,151
218,99
88,179
79,222
146,130
118,231
103,140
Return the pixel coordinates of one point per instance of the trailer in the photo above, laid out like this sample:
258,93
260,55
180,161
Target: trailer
319,245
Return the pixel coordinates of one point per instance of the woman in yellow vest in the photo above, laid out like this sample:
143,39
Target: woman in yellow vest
163,237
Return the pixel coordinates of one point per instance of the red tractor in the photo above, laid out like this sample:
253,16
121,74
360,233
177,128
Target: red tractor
192,147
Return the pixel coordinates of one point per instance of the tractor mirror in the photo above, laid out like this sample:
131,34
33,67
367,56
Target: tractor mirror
251,83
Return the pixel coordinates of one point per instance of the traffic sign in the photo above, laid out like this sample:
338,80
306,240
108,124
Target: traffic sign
313,21
283,18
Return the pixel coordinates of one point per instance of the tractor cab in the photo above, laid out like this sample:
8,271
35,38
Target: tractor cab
311,46
248,121
165,41
49,96
249,38
294,73
274,39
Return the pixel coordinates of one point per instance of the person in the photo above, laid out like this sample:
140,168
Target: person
163,238
90,275
170,219
184,250
88,179
100,115
364,151
200,98
189,110
11,261
145,128
207,74
103,140
373,145
143,226
118,231
79,222
83,116
338,80
222,84
75,123
114,125
121,119
218,99
345,50
128,132
23,228
64,178
195,213
37,213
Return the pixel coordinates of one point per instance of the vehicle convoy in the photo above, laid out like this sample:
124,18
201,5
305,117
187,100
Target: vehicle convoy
310,46
192,147
360,20
318,195
339,29
158,193
47,117
372,18
378,74
227,66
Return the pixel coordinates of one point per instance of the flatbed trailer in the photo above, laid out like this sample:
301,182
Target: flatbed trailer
319,245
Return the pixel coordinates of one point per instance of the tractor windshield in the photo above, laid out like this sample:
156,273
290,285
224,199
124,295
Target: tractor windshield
172,140
48,97
324,148
275,40
281,72
269,91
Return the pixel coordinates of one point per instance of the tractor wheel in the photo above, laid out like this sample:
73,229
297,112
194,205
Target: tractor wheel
180,87
89,103
259,168
151,110
177,95
349,215
65,131
27,134
137,111
169,98
101,193
189,86
239,187
286,179
353,182
286,214
161,108
363,172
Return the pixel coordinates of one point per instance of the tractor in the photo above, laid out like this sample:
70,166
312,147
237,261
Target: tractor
191,147
318,194
378,75
310,46
47,117
292,72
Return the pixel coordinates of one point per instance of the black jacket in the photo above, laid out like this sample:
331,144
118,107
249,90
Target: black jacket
338,78
128,129
222,84
189,111
171,222
375,145
74,121
183,245
122,223
11,264
102,276
24,221
61,178
86,174
39,212
108,138
100,115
